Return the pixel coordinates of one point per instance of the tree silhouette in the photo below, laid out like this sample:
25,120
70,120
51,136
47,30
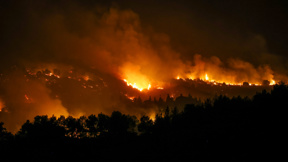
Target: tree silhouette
4,134
220,128
146,125
92,125
120,124
75,127
103,124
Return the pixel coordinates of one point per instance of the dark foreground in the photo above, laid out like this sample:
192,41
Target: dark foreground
222,129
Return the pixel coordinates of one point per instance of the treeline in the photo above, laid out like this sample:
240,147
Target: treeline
226,129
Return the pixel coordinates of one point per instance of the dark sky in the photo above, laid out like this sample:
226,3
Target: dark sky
219,27
255,31
230,19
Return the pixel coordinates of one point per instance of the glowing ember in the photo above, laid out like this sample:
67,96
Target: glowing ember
227,81
26,97
2,105
86,77
130,97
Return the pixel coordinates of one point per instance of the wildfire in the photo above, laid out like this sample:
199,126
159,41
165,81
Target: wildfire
51,74
134,85
272,82
207,79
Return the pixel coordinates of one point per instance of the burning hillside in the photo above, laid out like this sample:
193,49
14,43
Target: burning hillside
69,91
76,60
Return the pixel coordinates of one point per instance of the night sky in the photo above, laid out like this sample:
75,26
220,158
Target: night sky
73,58
218,21
255,31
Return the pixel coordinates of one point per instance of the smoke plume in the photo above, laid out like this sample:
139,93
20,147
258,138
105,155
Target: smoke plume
109,43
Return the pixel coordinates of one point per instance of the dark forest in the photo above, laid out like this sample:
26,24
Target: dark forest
222,128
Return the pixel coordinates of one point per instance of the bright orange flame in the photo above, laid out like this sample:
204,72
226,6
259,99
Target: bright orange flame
227,81
134,85
206,77
149,86
272,82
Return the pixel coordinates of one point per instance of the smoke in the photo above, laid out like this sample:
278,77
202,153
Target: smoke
25,99
111,41
233,70
108,42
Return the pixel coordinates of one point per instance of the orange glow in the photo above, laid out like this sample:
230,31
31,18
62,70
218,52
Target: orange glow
206,77
51,74
2,105
272,82
86,77
130,97
133,76
140,87
152,116
227,81
26,97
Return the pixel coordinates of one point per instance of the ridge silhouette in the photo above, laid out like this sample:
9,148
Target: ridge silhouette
222,128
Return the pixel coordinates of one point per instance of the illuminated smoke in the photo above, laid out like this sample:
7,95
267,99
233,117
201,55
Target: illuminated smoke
26,99
110,45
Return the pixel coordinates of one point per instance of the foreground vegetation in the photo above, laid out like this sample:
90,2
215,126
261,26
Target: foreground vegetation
226,129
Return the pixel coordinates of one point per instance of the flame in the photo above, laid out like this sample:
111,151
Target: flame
130,97
134,85
152,116
86,77
227,81
149,86
206,77
272,82
52,74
